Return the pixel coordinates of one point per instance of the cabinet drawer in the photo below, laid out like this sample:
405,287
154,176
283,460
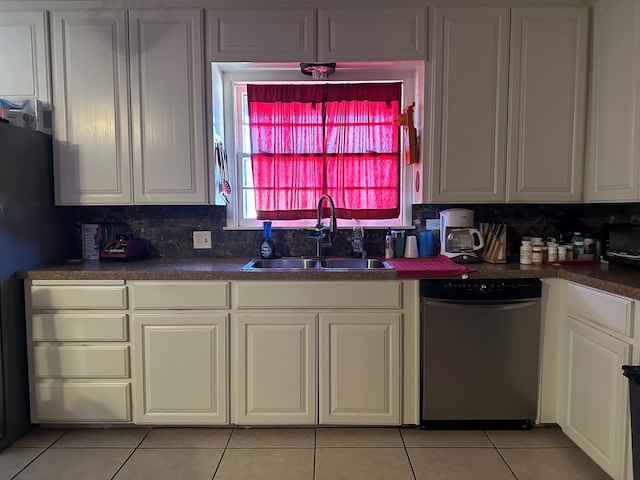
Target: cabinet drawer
606,309
81,402
100,361
195,295
330,294
79,296
79,327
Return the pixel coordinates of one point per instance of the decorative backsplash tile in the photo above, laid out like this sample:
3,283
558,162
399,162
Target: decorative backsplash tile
168,229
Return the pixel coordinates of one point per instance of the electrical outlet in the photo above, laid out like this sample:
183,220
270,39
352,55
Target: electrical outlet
433,224
202,239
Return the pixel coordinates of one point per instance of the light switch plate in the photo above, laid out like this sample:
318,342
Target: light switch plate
433,224
202,239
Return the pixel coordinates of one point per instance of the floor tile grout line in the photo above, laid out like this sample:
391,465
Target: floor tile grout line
224,451
507,464
406,452
123,463
39,455
500,455
315,452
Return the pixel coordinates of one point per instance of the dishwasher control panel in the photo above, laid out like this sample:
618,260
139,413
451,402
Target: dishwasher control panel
481,289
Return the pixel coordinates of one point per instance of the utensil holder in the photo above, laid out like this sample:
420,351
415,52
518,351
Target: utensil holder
495,243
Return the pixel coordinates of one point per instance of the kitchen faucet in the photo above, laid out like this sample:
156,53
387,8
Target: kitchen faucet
319,231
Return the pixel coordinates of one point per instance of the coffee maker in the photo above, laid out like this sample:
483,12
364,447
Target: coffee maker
458,239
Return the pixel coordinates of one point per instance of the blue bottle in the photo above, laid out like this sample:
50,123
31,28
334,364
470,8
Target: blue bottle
267,249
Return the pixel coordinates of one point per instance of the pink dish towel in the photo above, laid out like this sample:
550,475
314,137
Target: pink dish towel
439,266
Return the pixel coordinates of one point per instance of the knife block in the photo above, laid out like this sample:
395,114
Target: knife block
495,243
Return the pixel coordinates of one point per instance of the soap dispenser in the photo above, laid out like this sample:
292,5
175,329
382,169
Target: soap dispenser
267,250
357,240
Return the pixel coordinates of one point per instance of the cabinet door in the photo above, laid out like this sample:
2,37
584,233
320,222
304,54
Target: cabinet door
613,154
357,34
469,96
91,115
547,97
167,104
180,368
262,35
596,416
276,369
27,60
360,368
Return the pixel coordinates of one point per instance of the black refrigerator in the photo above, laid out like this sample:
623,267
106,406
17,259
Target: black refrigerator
33,233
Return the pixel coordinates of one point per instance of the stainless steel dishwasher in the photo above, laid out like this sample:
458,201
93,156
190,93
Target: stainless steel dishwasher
480,353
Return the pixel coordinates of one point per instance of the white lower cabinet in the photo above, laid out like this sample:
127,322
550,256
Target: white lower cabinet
594,397
179,337
360,368
181,366
317,352
79,351
217,352
275,368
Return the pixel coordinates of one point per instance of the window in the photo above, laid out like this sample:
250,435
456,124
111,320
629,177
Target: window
230,85
335,139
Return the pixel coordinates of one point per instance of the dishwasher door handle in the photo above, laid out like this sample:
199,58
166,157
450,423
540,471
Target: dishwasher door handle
462,305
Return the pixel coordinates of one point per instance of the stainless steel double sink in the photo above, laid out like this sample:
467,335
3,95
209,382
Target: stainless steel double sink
334,263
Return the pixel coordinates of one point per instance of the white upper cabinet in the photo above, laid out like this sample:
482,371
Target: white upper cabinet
24,56
129,120
91,116
344,34
468,76
547,97
358,34
167,105
262,35
613,152
527,65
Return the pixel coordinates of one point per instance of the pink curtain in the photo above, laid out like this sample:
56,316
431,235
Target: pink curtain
308,140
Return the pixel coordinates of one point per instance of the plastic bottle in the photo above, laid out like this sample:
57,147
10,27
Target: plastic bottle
576,237
536,255
526,253
589,247
388,245
357,239
562,252
267,250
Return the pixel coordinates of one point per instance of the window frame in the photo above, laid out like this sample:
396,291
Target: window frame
231,74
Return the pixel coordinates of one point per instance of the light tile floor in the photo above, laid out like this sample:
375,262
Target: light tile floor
543,453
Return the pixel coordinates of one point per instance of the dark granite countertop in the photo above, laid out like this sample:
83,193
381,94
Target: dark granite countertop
611,278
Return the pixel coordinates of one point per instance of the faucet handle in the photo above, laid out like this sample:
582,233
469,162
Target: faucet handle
317,233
